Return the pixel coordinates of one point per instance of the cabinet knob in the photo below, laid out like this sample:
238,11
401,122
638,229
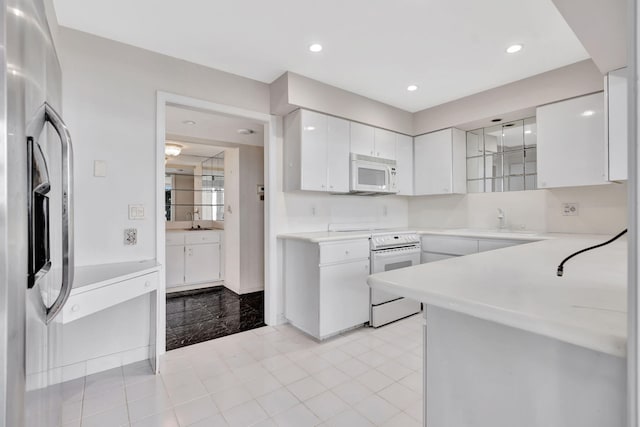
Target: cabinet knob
346,252
75,308
147,284
331,186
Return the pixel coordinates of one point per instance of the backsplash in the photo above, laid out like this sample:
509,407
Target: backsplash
315,211
601,209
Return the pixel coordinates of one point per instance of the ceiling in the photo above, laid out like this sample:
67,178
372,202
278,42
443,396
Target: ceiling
376,48
211,128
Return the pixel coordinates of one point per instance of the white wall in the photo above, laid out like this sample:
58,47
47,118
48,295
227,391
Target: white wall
110,108
291,91
511,101
602,209
602,27
308,211
244,225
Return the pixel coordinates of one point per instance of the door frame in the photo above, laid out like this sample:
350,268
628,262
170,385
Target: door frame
272,135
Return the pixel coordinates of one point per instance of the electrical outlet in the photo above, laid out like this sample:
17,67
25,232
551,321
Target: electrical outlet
570,209
130,236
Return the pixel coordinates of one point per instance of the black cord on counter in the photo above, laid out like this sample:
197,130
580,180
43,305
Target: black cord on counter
561,266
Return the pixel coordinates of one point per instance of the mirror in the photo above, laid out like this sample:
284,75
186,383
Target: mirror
502,157
195,191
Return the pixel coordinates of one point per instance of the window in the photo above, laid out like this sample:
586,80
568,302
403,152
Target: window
502,157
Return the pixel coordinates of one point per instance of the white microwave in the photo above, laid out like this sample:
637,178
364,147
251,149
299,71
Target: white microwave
372,175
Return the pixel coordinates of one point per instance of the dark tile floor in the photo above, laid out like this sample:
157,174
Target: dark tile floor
205,314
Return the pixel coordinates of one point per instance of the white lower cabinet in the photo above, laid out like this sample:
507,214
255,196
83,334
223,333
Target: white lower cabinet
202,263
175,265
439,247
344,296
193,257
326,289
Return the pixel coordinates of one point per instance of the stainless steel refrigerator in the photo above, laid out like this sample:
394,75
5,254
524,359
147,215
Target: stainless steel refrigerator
36,221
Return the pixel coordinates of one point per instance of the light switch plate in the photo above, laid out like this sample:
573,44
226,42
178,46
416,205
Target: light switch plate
130,236
99,168
136,211
570,209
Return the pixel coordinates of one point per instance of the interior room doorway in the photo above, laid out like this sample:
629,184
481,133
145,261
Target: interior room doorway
213,222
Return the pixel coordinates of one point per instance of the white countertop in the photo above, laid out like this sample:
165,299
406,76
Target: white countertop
328,236
518,287
186,230
91,277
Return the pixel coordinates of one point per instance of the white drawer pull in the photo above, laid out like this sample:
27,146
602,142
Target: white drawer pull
147,284
75,308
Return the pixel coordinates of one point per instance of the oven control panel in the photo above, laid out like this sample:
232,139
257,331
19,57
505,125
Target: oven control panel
379,241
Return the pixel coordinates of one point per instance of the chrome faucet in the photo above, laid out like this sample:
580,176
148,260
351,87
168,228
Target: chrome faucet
500,219
189,216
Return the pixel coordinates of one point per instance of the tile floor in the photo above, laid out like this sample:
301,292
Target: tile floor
205,314
270,376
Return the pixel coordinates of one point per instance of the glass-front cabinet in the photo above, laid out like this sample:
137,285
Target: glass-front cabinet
502,157
196,193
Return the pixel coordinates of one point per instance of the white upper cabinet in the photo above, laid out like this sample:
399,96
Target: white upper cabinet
440,163
338,155
371,141
571,142
362,139
313,151
316,152
616,85
404,174
384,144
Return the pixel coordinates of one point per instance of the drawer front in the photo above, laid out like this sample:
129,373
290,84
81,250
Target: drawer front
344,251
449,245
491,244
196,237
430,257
90,302
174,239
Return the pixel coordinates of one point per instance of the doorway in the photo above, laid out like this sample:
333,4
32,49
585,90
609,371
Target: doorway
229,211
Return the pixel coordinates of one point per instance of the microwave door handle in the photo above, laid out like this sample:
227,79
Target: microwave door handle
68,265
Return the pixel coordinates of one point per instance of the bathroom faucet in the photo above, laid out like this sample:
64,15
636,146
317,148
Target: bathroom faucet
500,219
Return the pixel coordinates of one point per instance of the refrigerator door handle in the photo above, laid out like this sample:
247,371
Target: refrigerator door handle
51,116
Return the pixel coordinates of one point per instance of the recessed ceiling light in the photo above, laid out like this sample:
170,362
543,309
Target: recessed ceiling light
588,113
189,122
514,48
315,48
172,150
244,131
527,132
309,128
412,88
496,120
